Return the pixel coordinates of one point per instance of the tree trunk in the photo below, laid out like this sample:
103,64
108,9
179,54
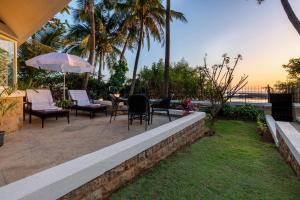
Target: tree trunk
141,37
101,59
91,59
124,48
167,53
291,15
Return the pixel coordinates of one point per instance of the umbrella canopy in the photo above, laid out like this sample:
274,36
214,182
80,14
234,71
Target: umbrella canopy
60,62
19,19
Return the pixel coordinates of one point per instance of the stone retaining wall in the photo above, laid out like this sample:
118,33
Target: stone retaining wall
103,186
288,155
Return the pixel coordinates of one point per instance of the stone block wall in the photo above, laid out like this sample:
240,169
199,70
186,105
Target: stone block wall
104,185
288,155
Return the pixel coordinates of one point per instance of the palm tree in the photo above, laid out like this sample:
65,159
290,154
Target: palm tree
107,38
147,17
91,17
85,11
170,14
127,30
290,13
77,39
130,37
167,53
106,50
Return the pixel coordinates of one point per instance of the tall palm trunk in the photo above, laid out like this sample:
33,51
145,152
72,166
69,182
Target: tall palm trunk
124,47
141,36
291,15
91,59
167,53
101,61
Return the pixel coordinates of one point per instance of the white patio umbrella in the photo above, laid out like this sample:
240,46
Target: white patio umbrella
61,62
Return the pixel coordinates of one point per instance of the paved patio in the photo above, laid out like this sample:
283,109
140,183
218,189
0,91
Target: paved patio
34,149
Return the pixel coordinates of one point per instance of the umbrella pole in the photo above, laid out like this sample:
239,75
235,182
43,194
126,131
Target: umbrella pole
64,86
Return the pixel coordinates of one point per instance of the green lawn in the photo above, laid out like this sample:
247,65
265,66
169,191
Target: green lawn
233,164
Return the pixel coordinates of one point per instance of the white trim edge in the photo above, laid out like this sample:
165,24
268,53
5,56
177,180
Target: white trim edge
271,123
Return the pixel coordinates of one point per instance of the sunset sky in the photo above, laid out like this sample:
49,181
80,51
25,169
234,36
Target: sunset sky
262,34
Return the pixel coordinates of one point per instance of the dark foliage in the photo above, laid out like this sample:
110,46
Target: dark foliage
246,112
118,78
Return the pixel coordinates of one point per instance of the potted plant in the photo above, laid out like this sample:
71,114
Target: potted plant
187,105
5,106
64,103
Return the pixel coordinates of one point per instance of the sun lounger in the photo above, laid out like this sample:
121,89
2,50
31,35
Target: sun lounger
40,103
82,102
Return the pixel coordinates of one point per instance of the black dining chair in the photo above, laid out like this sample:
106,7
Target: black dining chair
138,108
162,106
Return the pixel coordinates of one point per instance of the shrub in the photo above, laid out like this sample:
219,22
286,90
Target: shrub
97,88
245,112
118,77
229,111
185,81
248,112
261,118
64,103
261,123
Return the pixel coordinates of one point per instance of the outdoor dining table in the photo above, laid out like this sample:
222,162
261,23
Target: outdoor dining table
125,100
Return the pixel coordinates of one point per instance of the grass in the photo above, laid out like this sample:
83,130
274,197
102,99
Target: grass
233,164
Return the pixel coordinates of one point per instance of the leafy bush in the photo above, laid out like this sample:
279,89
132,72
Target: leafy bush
118,77
184,82
261,124
245,112
229,111
97,88
248,112
64,103
261,118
